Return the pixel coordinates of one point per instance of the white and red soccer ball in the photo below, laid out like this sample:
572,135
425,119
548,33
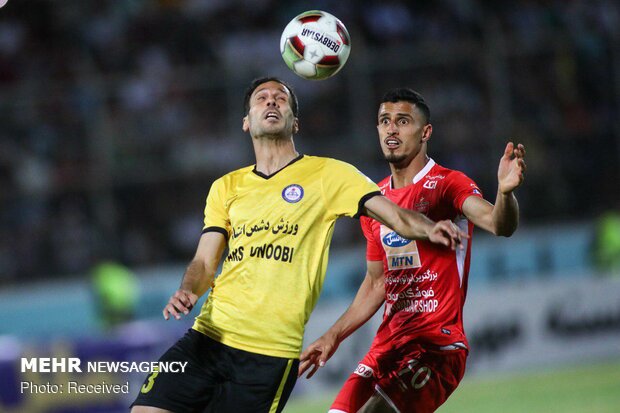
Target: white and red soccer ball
315,45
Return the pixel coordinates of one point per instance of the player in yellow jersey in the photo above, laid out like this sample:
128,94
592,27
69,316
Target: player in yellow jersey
276,218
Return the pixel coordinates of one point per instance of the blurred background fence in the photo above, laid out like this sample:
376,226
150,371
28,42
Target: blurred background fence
116,116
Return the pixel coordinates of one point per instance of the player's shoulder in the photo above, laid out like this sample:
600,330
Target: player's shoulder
439,169
446,174
312,162
329,162
239,172
384,184
333,167
232,176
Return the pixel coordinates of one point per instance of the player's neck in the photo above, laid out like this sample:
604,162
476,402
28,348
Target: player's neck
273,155
402,175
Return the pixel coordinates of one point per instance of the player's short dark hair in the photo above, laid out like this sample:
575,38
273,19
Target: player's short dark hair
408,95
257,82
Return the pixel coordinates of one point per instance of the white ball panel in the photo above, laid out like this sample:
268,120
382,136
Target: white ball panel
291,29
314,52
305,68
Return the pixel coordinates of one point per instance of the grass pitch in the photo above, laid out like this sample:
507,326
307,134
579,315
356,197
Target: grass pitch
592,389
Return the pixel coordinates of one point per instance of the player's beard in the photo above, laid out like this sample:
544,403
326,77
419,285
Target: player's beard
394,159
275,133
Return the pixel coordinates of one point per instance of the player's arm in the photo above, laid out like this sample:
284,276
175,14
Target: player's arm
411,224
503,217
198,276
367,301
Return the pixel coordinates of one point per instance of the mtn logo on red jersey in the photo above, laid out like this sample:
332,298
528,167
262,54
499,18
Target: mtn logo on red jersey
401,253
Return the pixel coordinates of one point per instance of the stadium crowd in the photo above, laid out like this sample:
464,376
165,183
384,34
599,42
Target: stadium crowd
116,116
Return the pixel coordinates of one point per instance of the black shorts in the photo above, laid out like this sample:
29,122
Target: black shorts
219,379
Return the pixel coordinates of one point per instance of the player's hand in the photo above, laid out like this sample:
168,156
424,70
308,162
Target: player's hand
317,354
511,171
447,233
182,301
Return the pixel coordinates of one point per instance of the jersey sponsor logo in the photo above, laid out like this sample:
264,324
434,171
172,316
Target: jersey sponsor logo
293,193
392,239
431,181
235,255
402,279
410,301
412,306
248,230
273,252
410,293
404,260
364,371
401,253
280,227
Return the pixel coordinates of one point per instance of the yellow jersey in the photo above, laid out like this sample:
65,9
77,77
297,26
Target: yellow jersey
279,229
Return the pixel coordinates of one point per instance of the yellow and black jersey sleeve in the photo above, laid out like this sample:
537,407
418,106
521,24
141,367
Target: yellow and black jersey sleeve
346,189
216,215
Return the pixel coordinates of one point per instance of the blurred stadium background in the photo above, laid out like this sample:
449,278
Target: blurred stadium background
116,116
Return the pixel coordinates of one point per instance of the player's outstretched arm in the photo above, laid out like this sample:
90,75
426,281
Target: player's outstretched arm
503,217
198,276
413,225
367,301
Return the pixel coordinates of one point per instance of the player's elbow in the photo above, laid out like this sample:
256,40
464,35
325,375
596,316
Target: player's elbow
505,230
506,234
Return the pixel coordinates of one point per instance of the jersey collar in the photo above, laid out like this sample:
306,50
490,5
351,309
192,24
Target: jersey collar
427,168
262,175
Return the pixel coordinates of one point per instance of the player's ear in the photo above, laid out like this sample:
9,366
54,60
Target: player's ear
246,124
427,131
295,125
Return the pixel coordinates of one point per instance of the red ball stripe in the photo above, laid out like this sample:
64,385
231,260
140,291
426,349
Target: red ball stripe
309,19
330,61
342,32
297,44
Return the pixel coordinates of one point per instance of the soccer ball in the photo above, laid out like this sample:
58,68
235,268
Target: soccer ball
315,45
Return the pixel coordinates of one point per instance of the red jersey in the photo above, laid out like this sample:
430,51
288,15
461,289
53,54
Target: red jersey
425,283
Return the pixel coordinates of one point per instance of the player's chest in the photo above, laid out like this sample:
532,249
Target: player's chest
269,204
423,197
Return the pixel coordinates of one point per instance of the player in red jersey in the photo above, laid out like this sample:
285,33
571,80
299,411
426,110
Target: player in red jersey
418,355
